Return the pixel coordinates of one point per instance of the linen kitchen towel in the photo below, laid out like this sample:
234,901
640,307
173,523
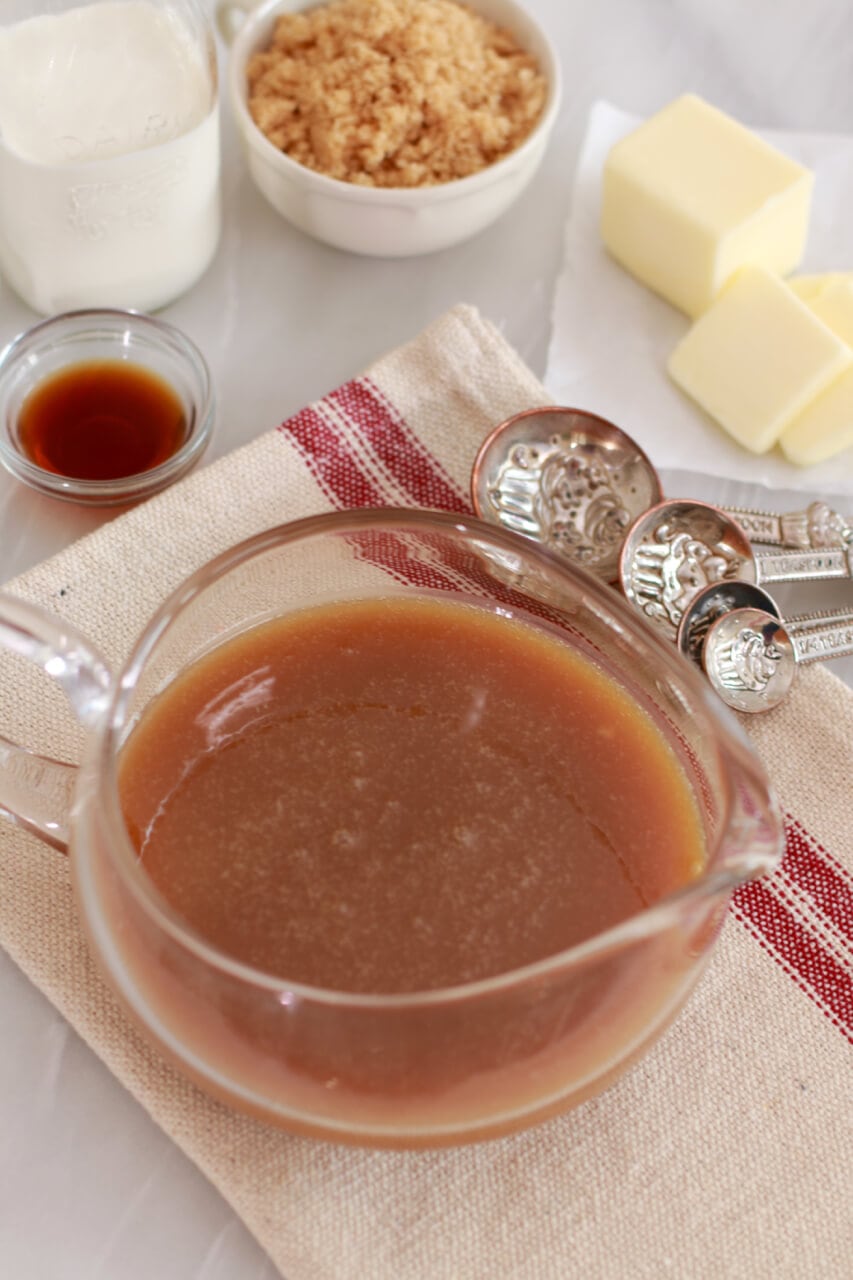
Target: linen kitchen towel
727,1151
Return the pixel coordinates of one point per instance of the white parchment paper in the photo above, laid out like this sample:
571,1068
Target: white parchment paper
611,336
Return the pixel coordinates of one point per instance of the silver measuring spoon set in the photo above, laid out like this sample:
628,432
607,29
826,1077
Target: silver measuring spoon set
582,487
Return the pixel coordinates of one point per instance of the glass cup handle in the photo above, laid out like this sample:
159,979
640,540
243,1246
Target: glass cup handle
230,16
35,791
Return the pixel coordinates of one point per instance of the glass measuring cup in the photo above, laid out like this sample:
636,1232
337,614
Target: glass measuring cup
109,151
432,1067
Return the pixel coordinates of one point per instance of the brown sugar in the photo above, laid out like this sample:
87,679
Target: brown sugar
394,93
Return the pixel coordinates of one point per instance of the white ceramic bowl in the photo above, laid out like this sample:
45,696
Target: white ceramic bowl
384,222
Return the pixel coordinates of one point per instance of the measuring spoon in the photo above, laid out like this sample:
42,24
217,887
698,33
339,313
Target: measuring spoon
751,657
576,482
713,602
720,598
568,479
676,548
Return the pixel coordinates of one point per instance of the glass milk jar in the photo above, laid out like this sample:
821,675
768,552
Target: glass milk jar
109,151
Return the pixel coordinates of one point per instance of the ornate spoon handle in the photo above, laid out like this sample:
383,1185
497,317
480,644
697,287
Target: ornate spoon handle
815,529
803,566
819,641
820,618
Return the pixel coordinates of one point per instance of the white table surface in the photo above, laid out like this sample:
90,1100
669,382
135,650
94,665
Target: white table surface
90,1189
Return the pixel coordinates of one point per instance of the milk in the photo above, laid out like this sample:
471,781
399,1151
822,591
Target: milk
109,157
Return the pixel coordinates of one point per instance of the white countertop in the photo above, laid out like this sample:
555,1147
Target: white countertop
90,1189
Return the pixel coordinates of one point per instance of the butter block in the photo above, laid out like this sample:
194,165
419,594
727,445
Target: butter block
691,196
825,427
810,288
756,358
834,306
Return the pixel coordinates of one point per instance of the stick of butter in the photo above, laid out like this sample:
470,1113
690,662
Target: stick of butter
757,357
825,427
691,195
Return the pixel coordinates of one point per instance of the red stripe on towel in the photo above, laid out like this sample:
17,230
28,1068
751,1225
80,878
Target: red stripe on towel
345,483
819,877
397,447
330,461
804,957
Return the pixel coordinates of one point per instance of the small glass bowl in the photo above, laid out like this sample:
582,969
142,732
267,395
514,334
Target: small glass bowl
79,337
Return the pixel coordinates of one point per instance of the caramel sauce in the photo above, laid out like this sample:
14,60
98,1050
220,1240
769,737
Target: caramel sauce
400,796
101,420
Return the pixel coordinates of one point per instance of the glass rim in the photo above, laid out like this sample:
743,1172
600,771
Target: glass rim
732,751
88,324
